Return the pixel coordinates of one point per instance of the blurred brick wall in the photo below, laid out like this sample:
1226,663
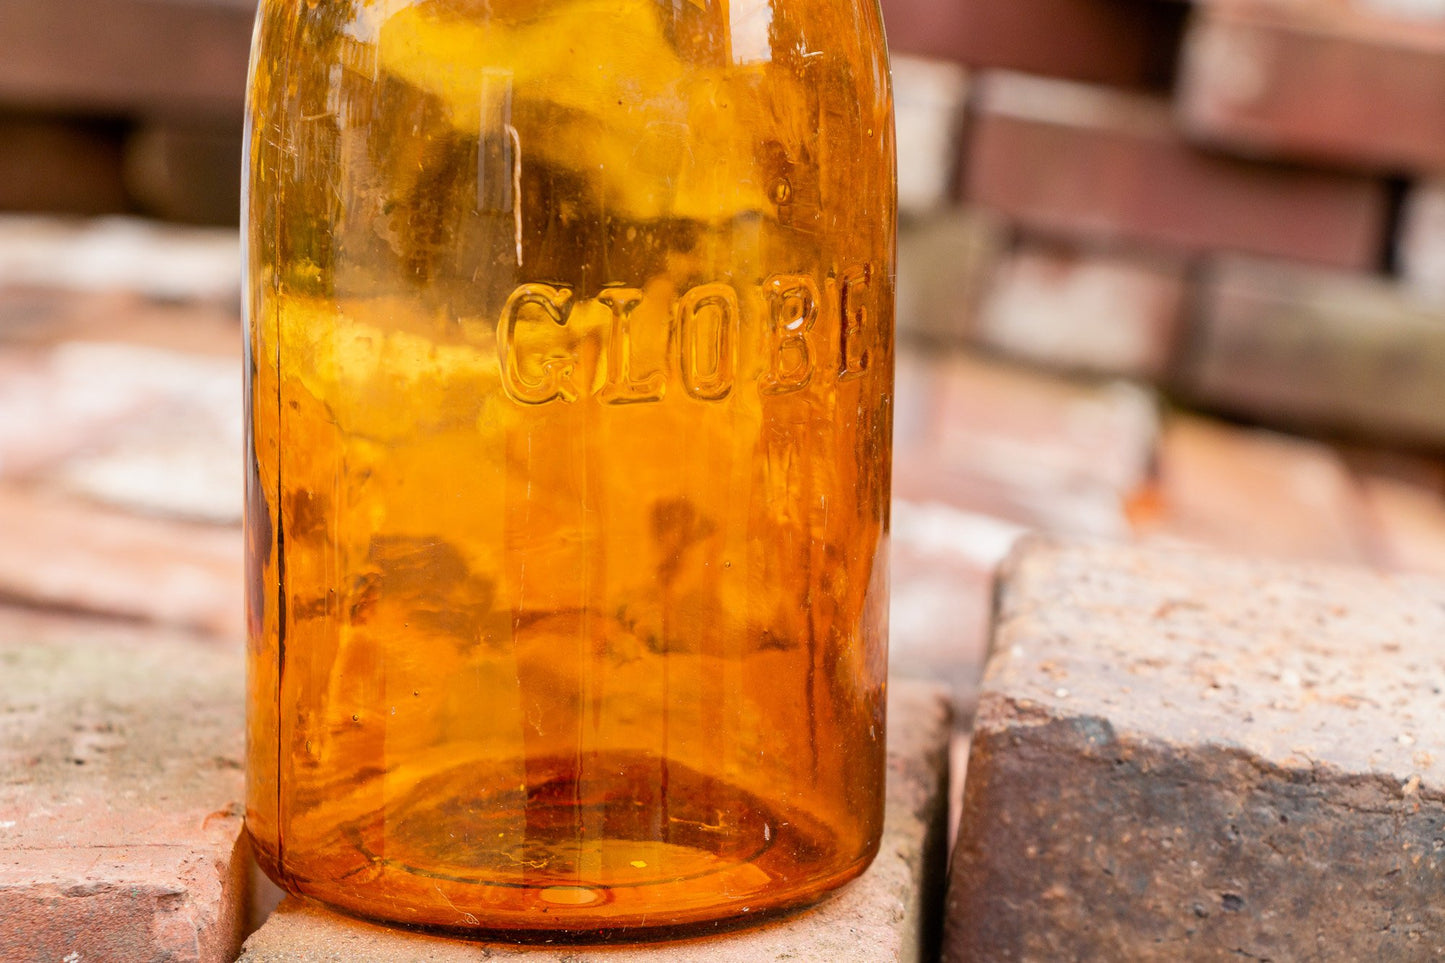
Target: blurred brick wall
1242,201
110,106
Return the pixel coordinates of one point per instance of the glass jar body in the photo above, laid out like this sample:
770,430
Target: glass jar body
569,386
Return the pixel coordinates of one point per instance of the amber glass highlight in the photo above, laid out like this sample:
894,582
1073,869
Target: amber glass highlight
570,378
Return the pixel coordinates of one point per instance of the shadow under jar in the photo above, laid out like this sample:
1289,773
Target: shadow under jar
569,378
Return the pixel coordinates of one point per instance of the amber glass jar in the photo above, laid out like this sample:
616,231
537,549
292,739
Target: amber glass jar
569,377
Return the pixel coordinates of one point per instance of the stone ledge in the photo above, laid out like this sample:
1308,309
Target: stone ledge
1182,757
888,915
120,787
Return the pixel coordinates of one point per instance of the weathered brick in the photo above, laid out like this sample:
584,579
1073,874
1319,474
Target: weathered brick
1031,448
1183,757
1253,492
1086,310
942,571
1086,162
68,554
1123,42
60,165
929,97
890,914
120,787
180,56
1306,348
945,262
1420,247
160,261
1358,83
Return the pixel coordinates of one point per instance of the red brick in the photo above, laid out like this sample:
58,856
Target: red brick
1420,248
181,56
1407,520
1123,42
67,554
120,813
1332,80
50,164
1085,310
1255,493
1305,348
1183,757
889,914
1032,449
1086,162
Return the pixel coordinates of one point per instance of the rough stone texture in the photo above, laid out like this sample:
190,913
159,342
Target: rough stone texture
120,788
1361,83
929,97
945,262
64,553
1030,448
1301,347
1183,757
1081,310
1253,492
1091,163
1420,247
1122,42
887,915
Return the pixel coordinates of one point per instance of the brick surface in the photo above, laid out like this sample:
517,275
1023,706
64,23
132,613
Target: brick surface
887,915
942,571
1407,518
929,98
1303,348
1181,757
50,164
1359,83
1029,448
176,56
1090,311
68,554
1255,493
1081,161
945,262
1420,248
1124,42
120,789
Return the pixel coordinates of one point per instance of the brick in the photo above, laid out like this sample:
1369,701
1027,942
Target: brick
1186,757
942,573
43,317
64,166
127,56
1303,348
1347,82
68,554
135,426
1253,492
1089,163
945,262
1121,42
1408,523
1033,449
120,794
1420,247
1082,310
186,172
889,914
929,97
121,254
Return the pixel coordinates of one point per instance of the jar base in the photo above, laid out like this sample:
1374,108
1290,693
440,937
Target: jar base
623,846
